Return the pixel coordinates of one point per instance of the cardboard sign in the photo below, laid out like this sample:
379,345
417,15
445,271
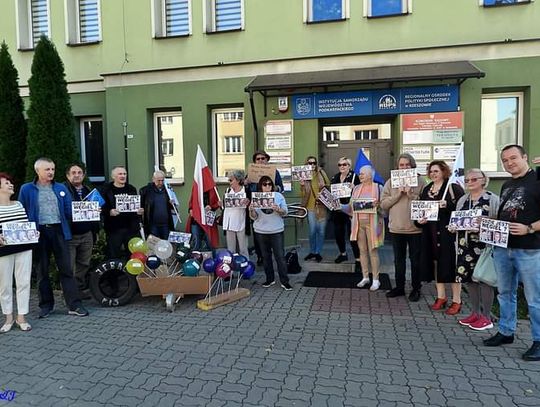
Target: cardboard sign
363,205
128,203
262,200
494,232
343,190
329,200
235,200
20,233
302,172
468,220
85,211
179,237
404,178
424,210
256,171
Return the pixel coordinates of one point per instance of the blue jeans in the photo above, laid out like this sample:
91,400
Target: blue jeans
511,265
199,238
317,228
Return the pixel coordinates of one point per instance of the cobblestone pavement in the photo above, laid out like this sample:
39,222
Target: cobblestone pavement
274,348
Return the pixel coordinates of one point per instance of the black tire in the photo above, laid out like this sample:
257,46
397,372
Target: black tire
111,285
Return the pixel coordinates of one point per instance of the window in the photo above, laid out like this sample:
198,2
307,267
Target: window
83,21
382,8
325,10
227,141
169,144
366,134
91,130
171,18
331,135
492,3
502,124
224,15
33,21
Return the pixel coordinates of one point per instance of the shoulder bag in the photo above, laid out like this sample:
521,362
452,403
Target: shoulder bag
484,271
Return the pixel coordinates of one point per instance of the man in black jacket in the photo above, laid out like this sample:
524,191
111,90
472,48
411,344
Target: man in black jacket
158,219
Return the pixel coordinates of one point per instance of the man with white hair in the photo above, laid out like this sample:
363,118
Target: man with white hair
158,208
48,204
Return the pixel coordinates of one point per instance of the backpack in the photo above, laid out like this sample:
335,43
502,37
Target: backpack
293,266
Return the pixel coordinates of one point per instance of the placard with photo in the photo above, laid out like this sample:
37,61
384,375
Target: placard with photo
428,210
494,232
85,211
468,220
235,200
329,200
343,190
20,233
128,203
179,237
262,200
363,205
210,217
404,178
302,172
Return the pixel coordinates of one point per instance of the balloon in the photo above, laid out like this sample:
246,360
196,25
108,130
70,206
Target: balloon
249,270
140,256
239,262
163,249
195,255
209,265
223,270
136,244
153,262
223,256
182,255
134,266
191,268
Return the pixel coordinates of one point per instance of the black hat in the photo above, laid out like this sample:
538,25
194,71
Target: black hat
260,152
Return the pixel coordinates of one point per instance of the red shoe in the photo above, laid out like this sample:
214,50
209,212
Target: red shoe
469,320
481,324
439,304
453,309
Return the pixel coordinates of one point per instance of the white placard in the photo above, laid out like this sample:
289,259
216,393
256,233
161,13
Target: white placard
20,233
85,211
404,178
342,190
468,220
235,200
127,203
262,200
179,237
328,199
428,210
494,232
363,205
302,172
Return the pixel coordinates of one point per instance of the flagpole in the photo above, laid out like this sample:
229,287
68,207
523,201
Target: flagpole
459,157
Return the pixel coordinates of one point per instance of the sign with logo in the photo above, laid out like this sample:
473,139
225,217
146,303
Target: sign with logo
374,102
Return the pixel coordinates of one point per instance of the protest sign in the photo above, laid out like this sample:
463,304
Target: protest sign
342,190
262,200
404,178
128,203
210,217
468,220
428,210
329,200
20,233
256,171
494,232
179,237
363,205
235,200
85,211
302,172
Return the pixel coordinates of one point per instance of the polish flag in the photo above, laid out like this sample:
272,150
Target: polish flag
203,181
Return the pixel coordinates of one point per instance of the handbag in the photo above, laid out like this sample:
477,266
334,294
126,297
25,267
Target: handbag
484,271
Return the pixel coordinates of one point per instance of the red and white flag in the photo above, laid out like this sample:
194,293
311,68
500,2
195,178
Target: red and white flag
203,182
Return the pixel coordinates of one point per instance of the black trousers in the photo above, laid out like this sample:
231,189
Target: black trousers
342,231
51,240
117,243
400,241
273,243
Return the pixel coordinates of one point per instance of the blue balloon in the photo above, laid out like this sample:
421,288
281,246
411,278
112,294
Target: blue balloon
223,256
209,265
153,262
191,268
239,262
248,271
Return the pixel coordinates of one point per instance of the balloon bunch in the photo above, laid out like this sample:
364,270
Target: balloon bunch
142,256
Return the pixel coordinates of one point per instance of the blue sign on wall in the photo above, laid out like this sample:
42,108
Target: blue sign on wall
376,102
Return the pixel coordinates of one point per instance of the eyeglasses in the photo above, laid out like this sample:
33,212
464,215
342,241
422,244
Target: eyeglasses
343,164
262,158
231,180
267,184
312,162
467,180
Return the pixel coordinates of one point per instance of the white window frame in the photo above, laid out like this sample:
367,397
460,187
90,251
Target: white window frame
23,22
73,23
308,12
159,20
215,150
519,118
155,116
240,140
481,3
82,138
209,17
406,7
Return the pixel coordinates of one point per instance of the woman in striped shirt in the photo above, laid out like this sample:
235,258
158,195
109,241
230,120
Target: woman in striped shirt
14,260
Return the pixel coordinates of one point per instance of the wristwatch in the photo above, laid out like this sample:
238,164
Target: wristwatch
530,229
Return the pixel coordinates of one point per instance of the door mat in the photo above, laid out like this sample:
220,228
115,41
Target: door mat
342,280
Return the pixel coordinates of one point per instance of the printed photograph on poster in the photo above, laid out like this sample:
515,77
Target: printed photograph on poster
179,237
428,210
20,233
363,205
404,178
343,190
85,211
468,220
262,200
235,200
128,203
329,200
210,217
256,171
494,232
302,172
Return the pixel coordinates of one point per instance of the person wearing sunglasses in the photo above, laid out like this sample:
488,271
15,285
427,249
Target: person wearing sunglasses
234,219
340,219
269,227
316,211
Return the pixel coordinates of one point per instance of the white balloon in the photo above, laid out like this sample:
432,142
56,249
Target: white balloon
163,249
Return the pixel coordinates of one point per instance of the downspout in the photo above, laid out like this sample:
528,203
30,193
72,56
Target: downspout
254,118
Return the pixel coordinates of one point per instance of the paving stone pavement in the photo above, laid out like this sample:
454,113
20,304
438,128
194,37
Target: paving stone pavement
274,348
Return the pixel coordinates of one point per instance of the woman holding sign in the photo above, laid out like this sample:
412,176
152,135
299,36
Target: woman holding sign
438,254
469,249
234,218
341,220
14,260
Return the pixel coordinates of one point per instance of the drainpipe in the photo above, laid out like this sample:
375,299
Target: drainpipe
254,118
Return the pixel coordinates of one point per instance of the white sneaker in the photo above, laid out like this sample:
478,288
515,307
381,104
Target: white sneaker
363,283
375,285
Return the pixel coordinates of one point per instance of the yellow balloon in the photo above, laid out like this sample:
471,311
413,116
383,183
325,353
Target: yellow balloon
134,266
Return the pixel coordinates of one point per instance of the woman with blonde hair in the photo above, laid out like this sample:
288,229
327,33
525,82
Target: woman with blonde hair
367,228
